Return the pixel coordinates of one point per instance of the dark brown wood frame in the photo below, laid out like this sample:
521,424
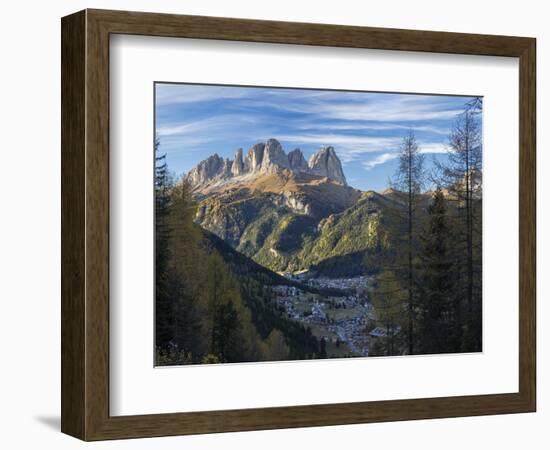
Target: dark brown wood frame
85,224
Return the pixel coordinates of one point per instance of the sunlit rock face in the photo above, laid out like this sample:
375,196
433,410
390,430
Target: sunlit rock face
265,158
254,157
206,170
237,167
297,162
327,164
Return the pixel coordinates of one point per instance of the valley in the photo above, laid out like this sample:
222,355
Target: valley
339,320
302,221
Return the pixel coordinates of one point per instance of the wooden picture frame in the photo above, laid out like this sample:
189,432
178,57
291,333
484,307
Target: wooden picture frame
85,224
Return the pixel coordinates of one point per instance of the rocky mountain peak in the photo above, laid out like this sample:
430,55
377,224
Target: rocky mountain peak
237,168
274,157
266,158
254,158
297,162
327,164
226,169
206,170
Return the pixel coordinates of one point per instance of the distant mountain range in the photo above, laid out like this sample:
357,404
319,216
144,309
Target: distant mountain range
290,215
261,159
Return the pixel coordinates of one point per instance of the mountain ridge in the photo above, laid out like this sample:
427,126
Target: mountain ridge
289,215
264,158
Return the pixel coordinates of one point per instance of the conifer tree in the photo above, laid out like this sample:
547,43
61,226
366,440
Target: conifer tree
390,301
437,321
164,324
276,347
187,273
409,181
462,175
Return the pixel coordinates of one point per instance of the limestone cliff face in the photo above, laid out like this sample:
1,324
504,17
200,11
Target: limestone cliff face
274,157
327,164
237,168
297,162
206,170
253,160
265,158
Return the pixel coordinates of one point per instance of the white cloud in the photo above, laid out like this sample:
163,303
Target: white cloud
183,129
171,144
348,148
168,94
351,147
393,111
215,131
360,126
432,147
380,159
424,147
359,106
213,124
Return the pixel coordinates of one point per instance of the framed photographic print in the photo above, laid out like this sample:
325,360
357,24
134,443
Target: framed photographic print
270,224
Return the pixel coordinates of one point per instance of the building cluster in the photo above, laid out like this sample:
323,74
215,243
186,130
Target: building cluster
327,312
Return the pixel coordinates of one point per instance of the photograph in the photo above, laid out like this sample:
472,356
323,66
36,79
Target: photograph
295,223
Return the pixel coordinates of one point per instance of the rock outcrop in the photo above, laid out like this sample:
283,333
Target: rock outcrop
266,158
206,170
327,164
254,158
297,162
237,168
274,157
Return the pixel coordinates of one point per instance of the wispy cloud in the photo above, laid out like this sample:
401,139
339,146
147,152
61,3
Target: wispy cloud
169,94
380,159
351,147
365,128
348,147
424,147
395,110
355,106
433,147
369,126
211,125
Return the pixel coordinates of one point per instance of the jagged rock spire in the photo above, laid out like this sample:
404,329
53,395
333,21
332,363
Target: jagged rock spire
327,164
206,170
237,167
254,158
263,158
297,162
274,157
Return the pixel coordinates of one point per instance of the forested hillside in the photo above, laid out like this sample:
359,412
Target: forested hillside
213,304
428,293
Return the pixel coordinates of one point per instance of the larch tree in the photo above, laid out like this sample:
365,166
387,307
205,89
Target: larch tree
462,175
390,301
164,309
409,180
437,321
187,272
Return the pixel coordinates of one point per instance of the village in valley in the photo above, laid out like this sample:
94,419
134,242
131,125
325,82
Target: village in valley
344,320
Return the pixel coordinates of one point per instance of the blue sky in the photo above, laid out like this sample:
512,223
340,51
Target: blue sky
366,129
